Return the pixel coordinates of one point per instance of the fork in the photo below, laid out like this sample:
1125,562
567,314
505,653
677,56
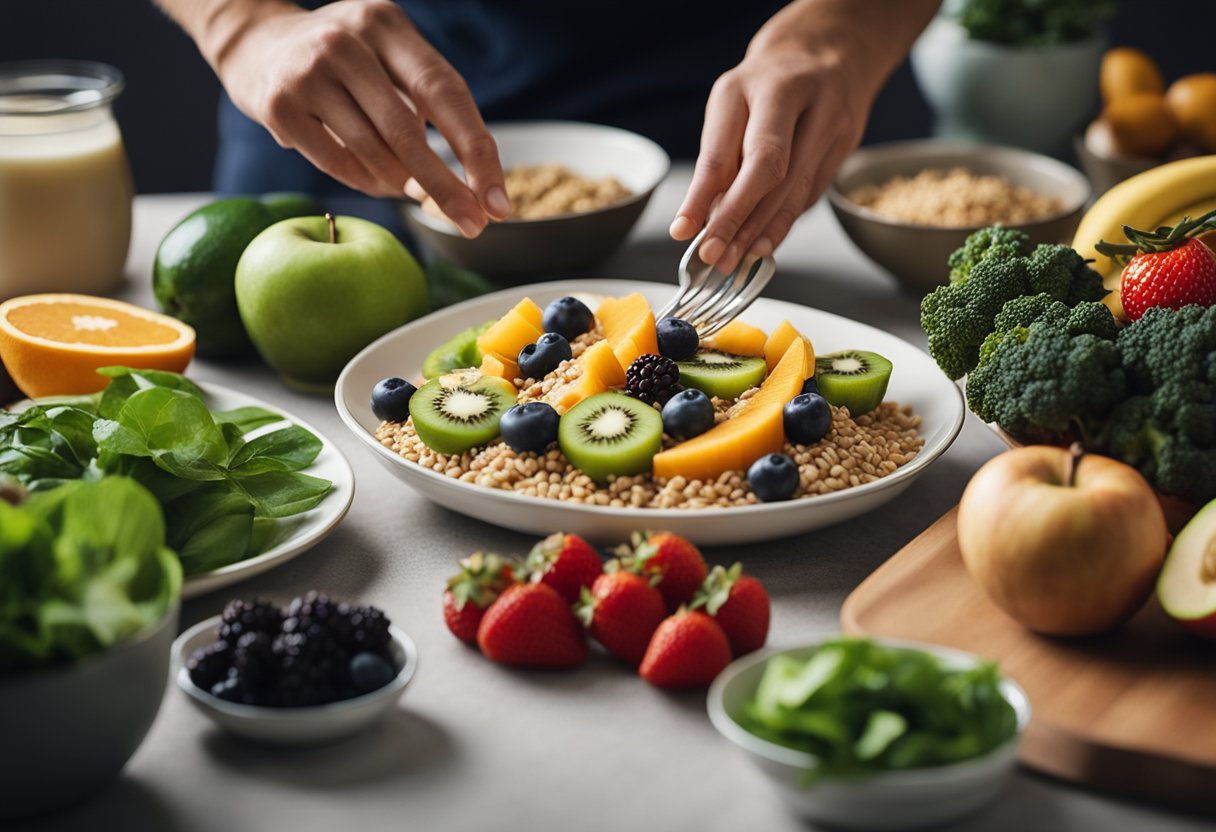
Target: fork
708,299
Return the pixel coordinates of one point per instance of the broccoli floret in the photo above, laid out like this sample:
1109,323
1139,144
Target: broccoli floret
1167,429
958,316
1062,273
1043,382
995,242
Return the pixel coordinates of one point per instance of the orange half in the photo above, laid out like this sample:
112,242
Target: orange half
52,345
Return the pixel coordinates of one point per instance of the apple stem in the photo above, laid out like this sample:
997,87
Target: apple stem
333,229
1075,451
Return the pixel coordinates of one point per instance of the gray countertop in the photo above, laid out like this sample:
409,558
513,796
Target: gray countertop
474,745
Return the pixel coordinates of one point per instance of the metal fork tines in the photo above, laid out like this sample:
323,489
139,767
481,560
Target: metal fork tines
709,299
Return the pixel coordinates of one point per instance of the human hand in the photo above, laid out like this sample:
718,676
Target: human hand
351,86
777,128
779,125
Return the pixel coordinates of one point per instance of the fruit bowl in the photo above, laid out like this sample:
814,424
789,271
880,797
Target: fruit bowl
519,247
916,254
915,382
293,726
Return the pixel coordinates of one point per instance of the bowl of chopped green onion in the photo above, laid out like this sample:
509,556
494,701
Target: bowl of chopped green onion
874,733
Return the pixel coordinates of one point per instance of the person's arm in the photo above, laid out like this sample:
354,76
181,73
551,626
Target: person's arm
351,86
779,125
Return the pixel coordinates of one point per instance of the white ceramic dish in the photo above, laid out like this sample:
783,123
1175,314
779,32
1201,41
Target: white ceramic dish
293,726
293,535
916,380
910,799
296,534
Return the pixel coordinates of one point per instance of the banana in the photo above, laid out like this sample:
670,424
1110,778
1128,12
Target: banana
1144,201
1159,196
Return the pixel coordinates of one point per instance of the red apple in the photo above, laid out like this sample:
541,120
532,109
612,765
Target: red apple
1065,543
1187,586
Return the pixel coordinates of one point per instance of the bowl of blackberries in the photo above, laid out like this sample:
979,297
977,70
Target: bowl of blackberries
317,670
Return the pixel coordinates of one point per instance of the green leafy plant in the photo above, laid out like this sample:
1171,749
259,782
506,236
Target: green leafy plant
1032,22
862,708
83,567
222,487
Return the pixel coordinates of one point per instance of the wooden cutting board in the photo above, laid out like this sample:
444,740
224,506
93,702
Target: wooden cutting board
1133,712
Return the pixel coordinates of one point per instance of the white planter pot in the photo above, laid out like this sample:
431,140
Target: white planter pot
1035,98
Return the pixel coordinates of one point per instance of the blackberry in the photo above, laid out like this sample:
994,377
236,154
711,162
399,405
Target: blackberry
257,616
370,631
314,649
209,665
256,662
652,379
232,689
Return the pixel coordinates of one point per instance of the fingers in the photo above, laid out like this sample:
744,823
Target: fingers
798,201
718,161
402,132
767,145
327,154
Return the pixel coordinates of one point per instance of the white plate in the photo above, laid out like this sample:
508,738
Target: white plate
916,380
296,534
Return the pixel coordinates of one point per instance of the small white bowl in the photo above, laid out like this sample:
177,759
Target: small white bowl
293,726
907,799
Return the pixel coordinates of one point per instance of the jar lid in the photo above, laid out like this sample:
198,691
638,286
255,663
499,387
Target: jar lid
36,88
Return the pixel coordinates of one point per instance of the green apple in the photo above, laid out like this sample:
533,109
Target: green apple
312,293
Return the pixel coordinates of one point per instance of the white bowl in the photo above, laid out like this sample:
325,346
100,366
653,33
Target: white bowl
293,726
908,799
916,380
523,247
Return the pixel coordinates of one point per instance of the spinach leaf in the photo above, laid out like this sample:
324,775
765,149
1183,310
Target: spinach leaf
127,381
282,493
211,527
174,428
82,568
247,419
288,449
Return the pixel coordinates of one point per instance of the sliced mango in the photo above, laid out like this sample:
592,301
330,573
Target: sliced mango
779,342
628,325
600,372
493,364
513,331
738,338
756,430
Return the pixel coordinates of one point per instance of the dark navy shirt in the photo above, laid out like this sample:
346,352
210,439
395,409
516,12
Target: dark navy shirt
644,65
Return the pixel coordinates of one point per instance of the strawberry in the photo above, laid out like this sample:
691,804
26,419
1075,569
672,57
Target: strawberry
1168,267
481,579
622,610
677,561
565,562
687,651
739,604
530,625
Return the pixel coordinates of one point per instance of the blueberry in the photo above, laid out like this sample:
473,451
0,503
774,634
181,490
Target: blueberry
568,317
687,414
810,386
806,418
773,477
370,672
677,339
531,426
391,399
539,359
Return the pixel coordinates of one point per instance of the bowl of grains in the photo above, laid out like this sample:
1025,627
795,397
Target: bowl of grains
858,466
576,191
908,205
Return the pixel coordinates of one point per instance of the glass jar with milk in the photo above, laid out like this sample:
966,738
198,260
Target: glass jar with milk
65,185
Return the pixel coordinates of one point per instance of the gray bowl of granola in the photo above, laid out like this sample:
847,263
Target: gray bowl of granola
908,205
577,190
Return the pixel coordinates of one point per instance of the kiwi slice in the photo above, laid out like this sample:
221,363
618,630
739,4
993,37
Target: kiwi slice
460,410
610,433
722,374
458,352
855,379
